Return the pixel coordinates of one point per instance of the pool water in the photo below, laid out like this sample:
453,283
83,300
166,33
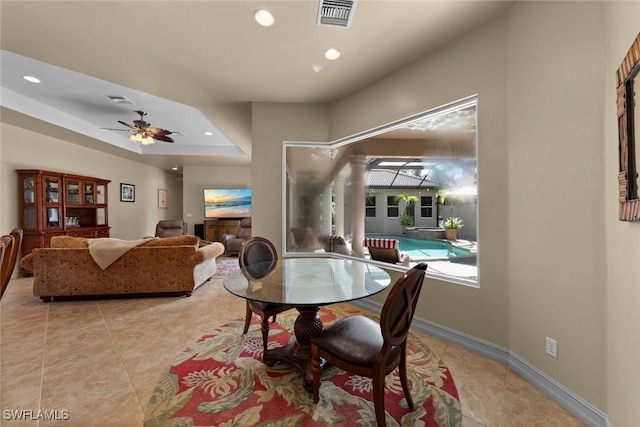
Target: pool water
424,249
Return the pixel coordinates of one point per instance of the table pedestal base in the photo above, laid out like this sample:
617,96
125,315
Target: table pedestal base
308,325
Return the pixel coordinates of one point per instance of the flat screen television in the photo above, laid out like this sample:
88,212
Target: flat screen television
227,202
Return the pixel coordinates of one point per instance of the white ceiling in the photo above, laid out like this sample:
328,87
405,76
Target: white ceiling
195,66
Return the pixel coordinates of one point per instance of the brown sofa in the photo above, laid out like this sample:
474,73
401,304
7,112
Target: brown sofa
163,265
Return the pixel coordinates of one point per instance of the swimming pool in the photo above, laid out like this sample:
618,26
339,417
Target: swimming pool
424,249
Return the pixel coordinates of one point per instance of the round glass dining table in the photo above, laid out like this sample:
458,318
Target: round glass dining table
307,284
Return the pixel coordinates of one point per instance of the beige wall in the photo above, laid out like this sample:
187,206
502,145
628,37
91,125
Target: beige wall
622,298
272,125
556,273
23,149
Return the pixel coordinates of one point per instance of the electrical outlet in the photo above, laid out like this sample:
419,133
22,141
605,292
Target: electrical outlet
552,347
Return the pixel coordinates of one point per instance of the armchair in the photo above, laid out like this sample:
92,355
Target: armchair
171,228
233,242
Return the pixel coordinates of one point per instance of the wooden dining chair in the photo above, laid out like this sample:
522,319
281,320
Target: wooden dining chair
6,243
258,256
9,264
367,348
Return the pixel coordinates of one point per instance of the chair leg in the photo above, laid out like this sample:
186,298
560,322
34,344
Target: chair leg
378,397
403,377
247,320
265,333
273,318
315,368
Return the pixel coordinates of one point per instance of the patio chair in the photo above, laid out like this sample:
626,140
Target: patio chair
386,250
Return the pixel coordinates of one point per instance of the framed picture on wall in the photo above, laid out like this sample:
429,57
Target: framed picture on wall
127,192
163,199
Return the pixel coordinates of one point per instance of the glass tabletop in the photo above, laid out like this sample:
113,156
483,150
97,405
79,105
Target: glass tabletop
307,281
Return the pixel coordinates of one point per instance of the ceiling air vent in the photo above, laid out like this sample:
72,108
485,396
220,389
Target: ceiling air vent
336,13
120,99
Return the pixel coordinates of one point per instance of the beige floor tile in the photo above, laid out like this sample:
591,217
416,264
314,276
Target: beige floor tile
70,317
20,392
523,404
91,394
480,383
470,422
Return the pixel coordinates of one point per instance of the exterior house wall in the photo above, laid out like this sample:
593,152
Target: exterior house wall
381,223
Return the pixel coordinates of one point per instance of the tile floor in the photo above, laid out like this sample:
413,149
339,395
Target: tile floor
100,360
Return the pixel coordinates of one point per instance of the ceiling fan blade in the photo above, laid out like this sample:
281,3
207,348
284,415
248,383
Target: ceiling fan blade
121,130
127,125
157,131
162,138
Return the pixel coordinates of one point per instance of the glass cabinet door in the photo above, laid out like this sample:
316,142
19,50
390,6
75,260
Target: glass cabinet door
53,218
101,216
100,193
87,193
29,218
52,190
29,184
73,192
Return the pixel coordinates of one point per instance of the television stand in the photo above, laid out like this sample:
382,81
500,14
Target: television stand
216,228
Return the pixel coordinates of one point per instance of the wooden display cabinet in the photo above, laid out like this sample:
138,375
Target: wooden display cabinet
55,204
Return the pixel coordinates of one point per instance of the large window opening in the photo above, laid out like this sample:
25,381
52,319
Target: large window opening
401,182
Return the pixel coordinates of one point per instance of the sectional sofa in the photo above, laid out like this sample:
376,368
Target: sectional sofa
158,265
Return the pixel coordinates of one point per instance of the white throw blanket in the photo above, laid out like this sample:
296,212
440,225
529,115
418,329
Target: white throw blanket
105,250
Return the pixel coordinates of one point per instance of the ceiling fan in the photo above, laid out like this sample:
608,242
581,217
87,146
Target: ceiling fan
143,132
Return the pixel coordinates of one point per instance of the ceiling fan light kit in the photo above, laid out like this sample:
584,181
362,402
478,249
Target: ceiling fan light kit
141,139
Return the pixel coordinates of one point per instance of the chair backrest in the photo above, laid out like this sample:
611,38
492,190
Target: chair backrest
258,256
170,228
6,243
11,256
385,250
400,305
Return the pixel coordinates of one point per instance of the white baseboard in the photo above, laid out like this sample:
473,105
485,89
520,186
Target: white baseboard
573,403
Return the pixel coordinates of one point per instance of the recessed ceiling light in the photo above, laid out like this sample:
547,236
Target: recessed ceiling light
31,79
264,17
174,168
208,133
332,54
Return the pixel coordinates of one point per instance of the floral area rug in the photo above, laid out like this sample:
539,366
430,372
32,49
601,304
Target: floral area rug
224,266
220,380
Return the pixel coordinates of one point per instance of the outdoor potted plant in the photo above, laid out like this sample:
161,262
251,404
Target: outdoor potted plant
451,226
406,220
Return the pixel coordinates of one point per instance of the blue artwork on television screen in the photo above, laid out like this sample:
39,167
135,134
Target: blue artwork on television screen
226,203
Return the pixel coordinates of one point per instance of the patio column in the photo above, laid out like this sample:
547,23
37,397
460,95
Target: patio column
338,194
357,204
